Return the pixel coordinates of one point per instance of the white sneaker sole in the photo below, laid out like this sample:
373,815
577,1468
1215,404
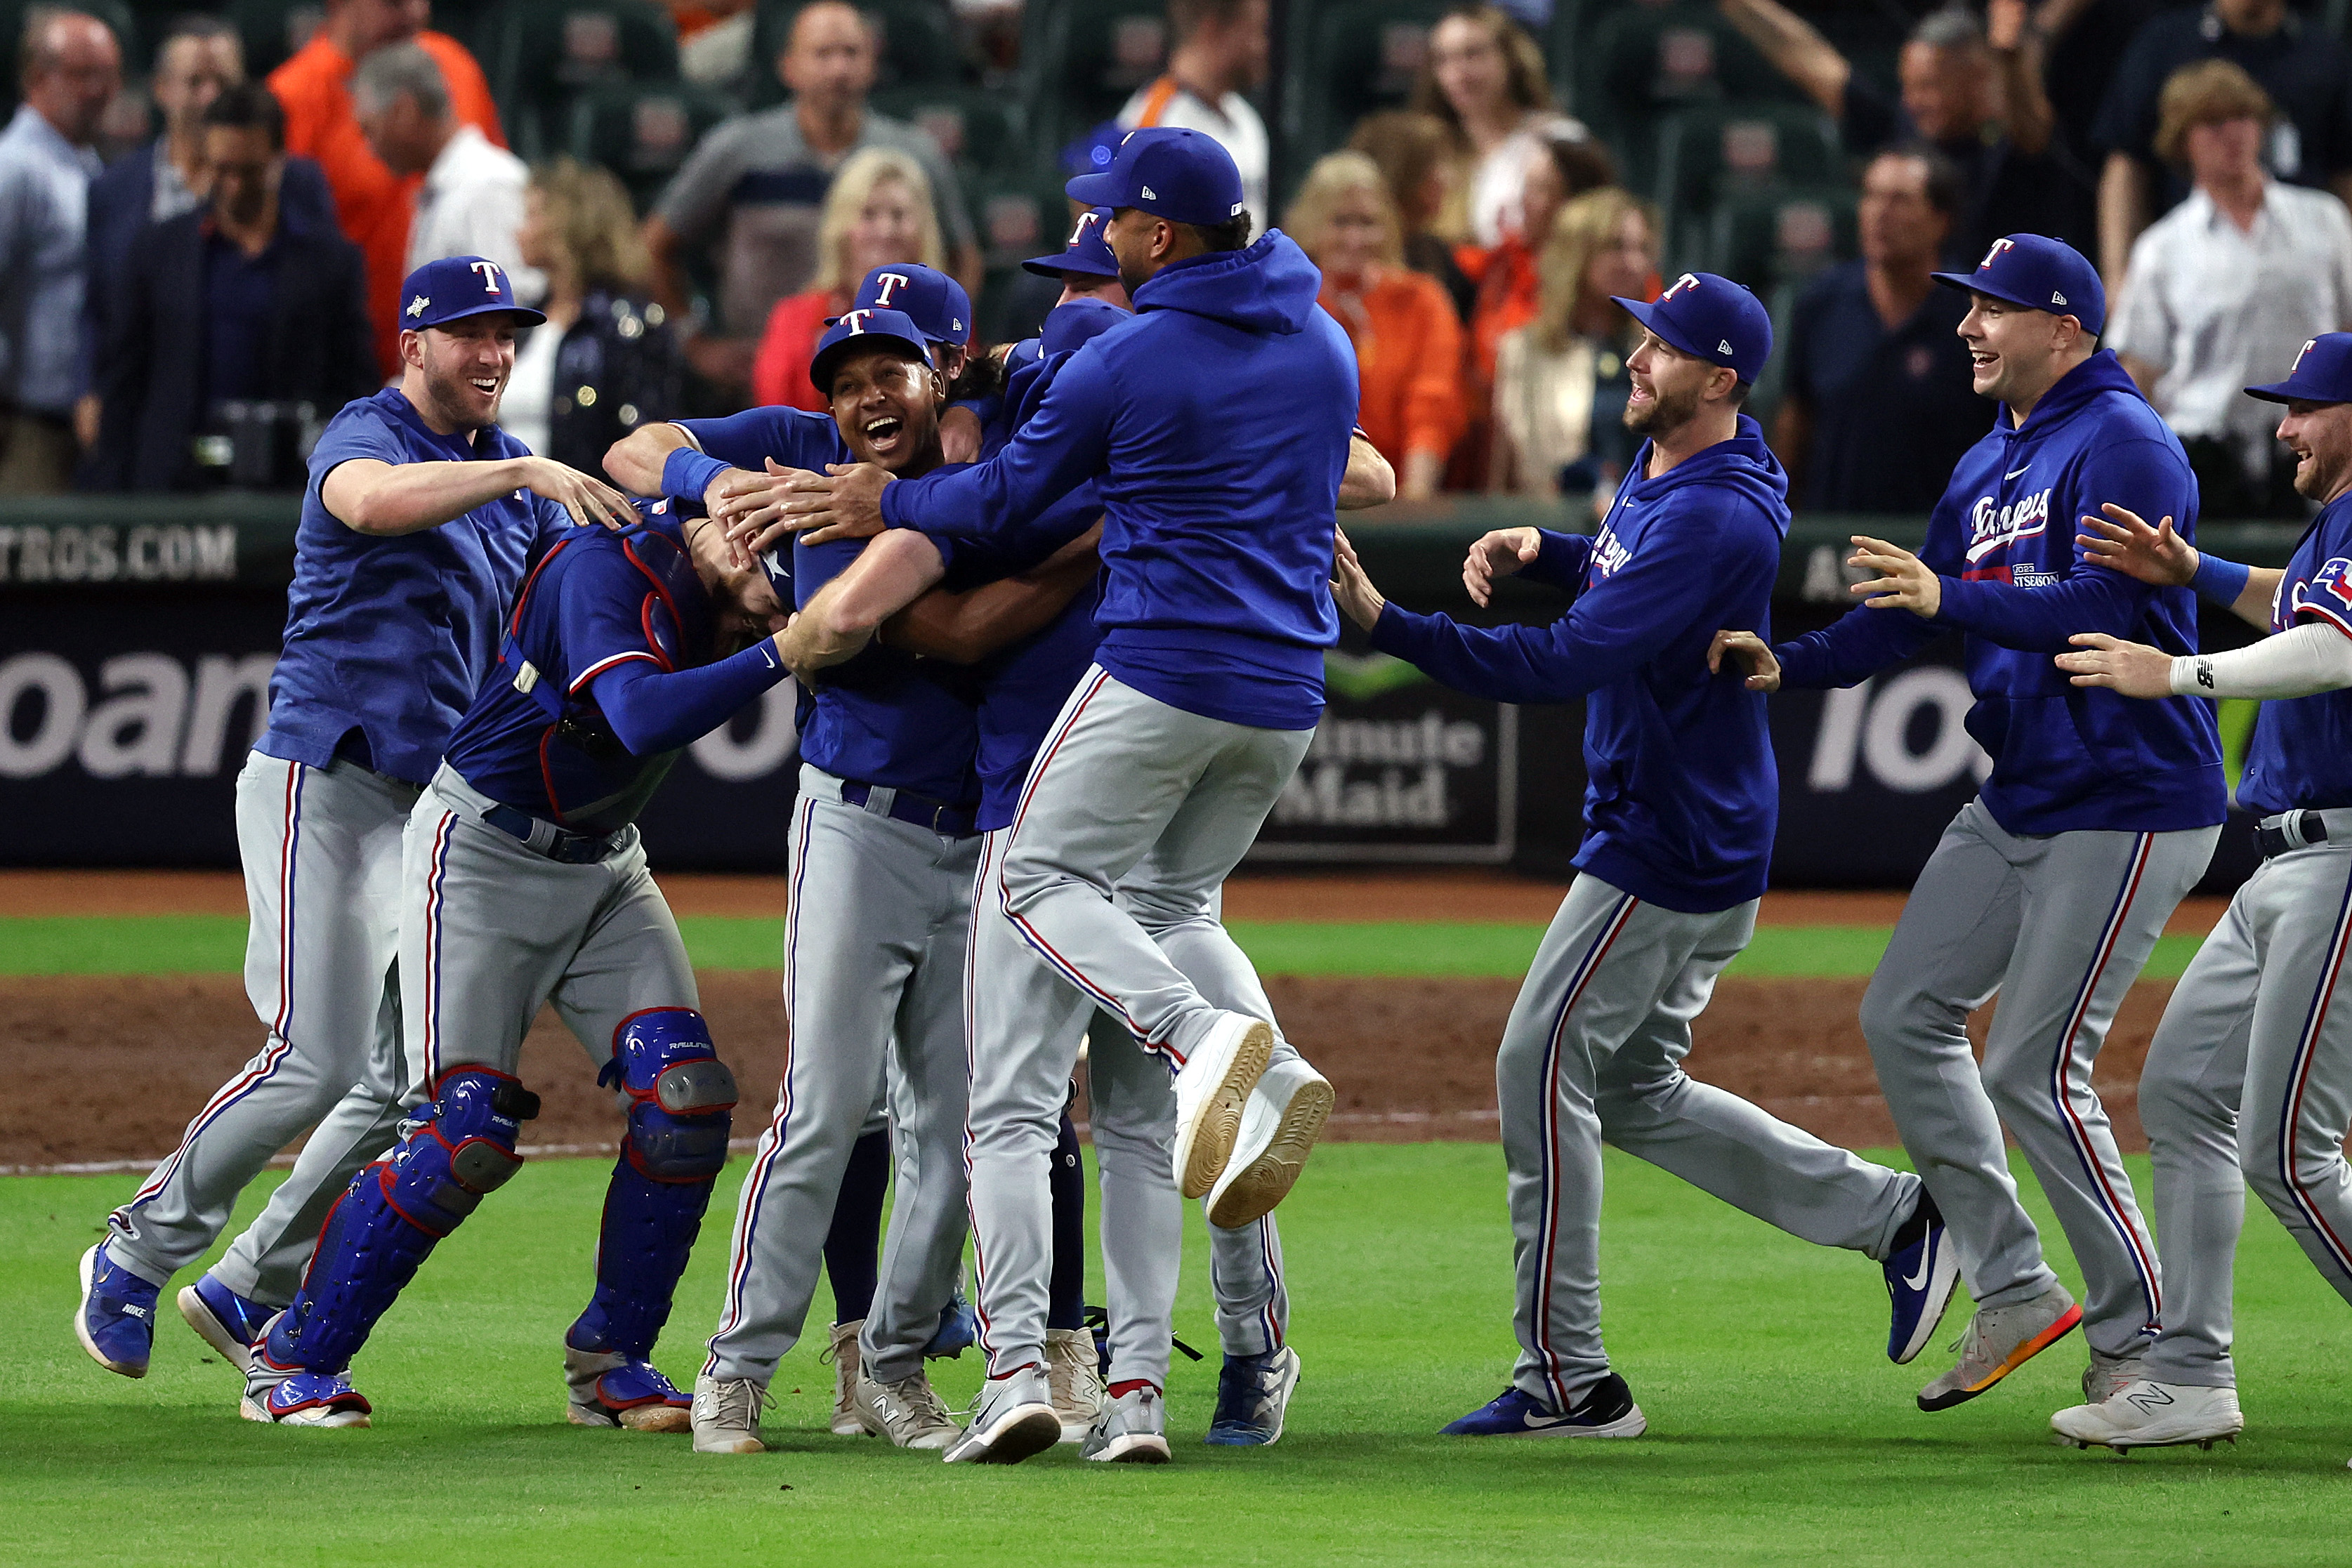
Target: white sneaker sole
1245,1194
1631,1423
1226,1066
81,1325
735,1442
1013,1436
252,1410
636,1419
212,1331
1135,1448
2083,1427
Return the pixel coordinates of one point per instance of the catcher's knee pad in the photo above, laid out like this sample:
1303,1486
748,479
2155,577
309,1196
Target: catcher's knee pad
679,1094
387,1221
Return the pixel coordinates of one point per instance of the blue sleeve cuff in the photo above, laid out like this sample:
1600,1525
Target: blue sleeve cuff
2219,580
1562,561
686,473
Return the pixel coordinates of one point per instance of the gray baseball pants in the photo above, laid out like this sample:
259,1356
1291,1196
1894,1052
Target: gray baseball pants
2248,1079
320,848
2059,926
874,958
1593,1054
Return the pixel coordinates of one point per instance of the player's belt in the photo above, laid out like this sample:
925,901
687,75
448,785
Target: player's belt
2301,829
949,822
547,839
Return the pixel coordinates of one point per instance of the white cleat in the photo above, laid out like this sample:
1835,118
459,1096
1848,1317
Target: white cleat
2108,1376
2151,1415
726,1415
1074,1379
907,1412
1283,1118
1211,1088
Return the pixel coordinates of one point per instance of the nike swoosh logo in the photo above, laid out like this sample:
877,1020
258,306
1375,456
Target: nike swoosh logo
1537,1423
2019,471
1920,1280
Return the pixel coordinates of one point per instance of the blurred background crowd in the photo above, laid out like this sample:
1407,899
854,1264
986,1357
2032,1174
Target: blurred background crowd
206,217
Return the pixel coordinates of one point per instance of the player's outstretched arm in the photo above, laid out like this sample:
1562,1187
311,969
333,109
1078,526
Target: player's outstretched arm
1369,481
1351,587
2304,660
634,462
965,628
2121,540
1752,653
1497,554
844,615
371,496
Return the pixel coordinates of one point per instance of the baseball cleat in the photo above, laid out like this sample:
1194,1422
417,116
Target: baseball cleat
2108,1376
1014,1419
1606,1409
1074,1380
608,1389
1131,1430
2000,1340
1253,1396
1211,1088
1280,1122
115,1319
842,1354
1921,1274
957,1331
726,1415
307,1399
907,1412
225,1321
2145,1413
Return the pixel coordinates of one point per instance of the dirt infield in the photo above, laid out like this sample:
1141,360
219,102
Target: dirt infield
110,1068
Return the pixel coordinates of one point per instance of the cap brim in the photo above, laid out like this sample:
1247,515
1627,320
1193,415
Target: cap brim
1096,190
1054,266
1647,315
821,366
523,314
1968,283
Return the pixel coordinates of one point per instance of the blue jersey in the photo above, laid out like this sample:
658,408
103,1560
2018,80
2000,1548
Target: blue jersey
1683,796
885,717
390,637
2300,759
2065,757
1215,422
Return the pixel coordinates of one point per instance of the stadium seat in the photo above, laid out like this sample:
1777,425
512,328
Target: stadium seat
980,132
1704,156
919,46
1643,61
1781,235
1348,59
542,53
1082,59
643,133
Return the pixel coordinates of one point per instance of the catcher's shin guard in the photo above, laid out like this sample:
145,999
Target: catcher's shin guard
388,1221
679,1094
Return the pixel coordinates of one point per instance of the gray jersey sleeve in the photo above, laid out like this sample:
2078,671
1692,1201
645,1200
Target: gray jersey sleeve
695,201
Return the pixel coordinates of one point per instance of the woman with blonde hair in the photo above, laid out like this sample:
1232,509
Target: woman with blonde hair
606,363
878,211
1408,340
1561,383
1484,78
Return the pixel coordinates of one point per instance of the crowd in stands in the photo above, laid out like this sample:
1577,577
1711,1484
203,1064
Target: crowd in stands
203,263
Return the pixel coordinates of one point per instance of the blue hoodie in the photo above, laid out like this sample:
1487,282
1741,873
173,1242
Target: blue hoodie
1684,795
2065,757
1216,424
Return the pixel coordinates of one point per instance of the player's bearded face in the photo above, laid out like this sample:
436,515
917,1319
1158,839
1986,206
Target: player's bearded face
465,366
2320,436
888,409
1666,388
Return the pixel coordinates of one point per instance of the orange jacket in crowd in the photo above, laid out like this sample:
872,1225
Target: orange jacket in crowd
780,373
1408,361
373,204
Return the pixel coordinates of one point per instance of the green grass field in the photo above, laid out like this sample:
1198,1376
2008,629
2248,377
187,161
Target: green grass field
1778,1432
197,944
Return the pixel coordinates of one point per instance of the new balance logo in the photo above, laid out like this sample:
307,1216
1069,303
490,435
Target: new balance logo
2150,1396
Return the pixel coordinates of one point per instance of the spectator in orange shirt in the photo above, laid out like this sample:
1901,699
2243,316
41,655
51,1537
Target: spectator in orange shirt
1408,340
373,204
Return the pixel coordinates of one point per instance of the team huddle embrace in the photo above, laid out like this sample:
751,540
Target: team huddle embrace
1058,613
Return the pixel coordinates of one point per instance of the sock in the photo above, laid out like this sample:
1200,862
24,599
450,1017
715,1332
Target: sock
855,1242
1923,1214
1127,1385
1065,1307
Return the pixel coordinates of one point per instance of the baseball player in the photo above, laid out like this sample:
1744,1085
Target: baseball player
2250,1071
1678,838
523,882
420,516
2051,886
1216,425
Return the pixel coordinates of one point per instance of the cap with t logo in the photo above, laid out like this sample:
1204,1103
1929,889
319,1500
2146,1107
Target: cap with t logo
934,301
865,329
2321,373
1087,252
2041,273
1712,319
457,287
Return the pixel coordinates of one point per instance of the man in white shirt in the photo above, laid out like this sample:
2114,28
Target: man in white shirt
2234,279
472,199
1221,52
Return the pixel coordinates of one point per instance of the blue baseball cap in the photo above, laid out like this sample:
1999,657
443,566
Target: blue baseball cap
1179,175
1087,252
457,287
934,301
2321,373
2041,273
864,329
1711,317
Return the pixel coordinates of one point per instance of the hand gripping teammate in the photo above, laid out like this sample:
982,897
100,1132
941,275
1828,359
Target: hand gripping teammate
2250,1071
2051,886
420,516
1679,818
522,883
1217,427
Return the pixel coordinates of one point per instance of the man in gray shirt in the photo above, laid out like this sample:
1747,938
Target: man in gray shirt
752,192
71,67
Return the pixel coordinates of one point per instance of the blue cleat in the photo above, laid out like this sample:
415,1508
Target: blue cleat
225,1321
607,1389
1607,1410
308,1399
116,1318
959,1330
1921,1274
1252,1395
